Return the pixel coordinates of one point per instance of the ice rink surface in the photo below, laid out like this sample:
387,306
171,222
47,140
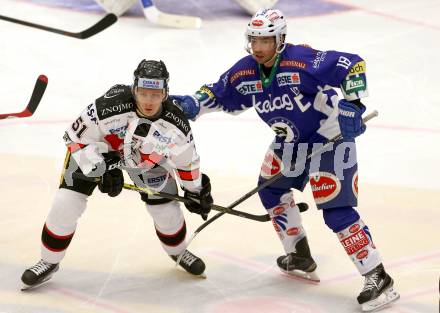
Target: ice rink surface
116,264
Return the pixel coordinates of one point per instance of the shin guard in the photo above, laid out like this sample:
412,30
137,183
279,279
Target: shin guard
358,244
287,222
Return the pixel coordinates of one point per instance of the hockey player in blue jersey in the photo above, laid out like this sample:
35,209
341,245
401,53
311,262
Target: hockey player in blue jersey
292,89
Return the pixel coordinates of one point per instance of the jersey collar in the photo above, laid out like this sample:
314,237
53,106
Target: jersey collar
267,81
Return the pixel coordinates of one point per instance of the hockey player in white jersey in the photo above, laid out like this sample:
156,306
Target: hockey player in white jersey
160,145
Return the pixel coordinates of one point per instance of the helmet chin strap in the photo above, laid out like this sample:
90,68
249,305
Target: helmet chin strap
271,60
281,48
278,50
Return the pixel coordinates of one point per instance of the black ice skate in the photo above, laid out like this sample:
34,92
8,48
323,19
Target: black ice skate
38,274
378,290
191,263
299,263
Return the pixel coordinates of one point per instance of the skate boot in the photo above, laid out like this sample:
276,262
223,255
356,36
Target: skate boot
299,263
191,263
378,290
38,274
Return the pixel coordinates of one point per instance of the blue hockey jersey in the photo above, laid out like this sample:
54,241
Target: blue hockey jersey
298,100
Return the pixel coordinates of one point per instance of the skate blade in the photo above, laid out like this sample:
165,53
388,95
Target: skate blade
387,297
310,276
203,275
27,287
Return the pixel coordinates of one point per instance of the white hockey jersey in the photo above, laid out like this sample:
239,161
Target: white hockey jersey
112,124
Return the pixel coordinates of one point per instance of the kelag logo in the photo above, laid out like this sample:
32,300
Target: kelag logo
250,87
277,103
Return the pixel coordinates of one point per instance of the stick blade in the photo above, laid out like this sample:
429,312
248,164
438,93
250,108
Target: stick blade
172,20
179,21
104,23
37,94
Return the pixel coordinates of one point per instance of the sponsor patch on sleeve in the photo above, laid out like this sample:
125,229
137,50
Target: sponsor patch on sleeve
355,84
358,68
207,91
354,87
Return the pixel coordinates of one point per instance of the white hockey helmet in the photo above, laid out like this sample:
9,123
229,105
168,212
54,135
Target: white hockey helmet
267,23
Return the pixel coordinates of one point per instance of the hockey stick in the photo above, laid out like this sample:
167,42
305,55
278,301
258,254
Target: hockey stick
166,19
105,22
265,184
37,94
148,191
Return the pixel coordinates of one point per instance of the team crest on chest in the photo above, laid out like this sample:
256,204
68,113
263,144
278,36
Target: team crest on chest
284,129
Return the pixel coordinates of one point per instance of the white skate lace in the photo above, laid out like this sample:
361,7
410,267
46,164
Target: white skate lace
40,267
286,260
370,281
188,258
289,259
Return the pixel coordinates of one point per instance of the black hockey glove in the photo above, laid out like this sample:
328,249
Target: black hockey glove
112,181
200,203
